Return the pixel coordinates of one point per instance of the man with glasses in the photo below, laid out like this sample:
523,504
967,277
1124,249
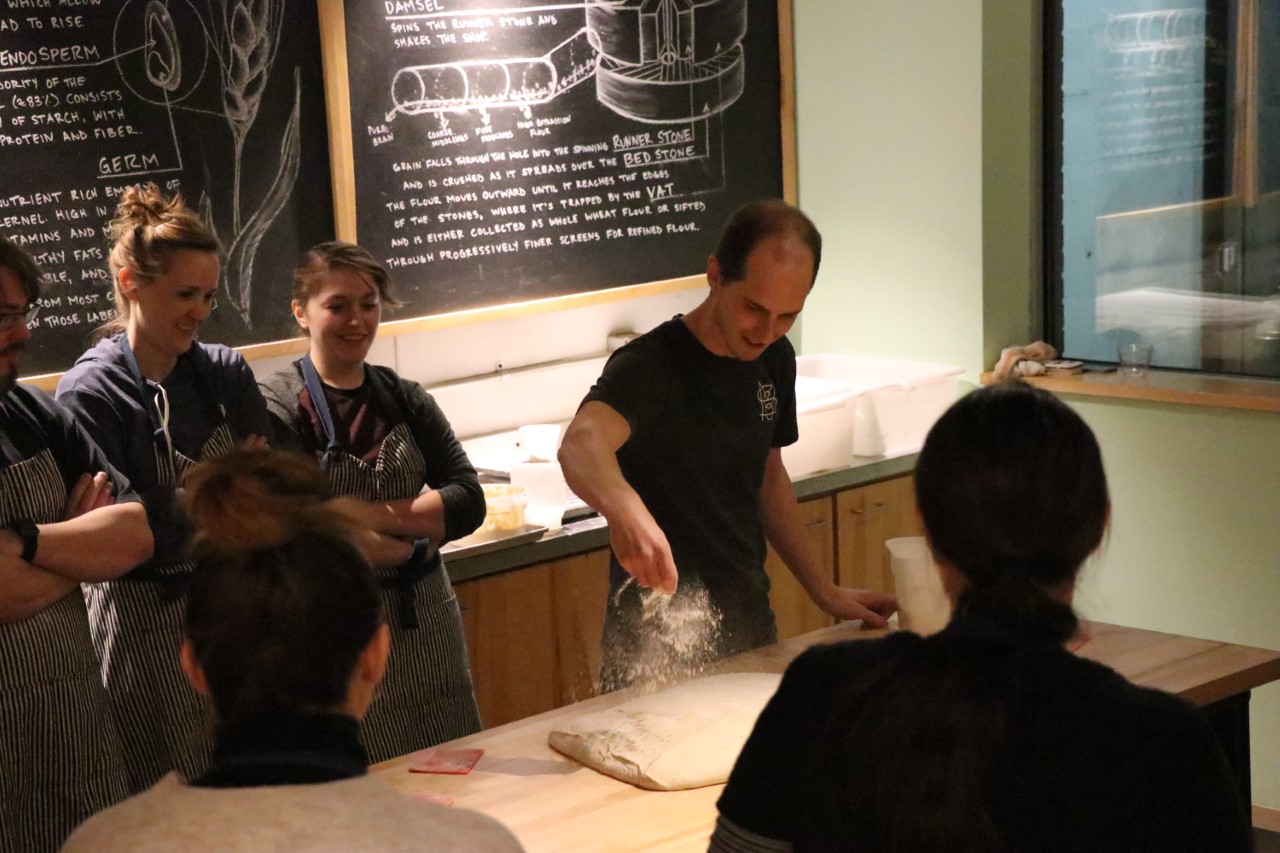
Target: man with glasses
66,518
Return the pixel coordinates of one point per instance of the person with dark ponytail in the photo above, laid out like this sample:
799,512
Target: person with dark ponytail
285,633
990,735
158,401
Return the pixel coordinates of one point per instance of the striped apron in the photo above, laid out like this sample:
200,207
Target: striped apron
60,755
137,628
426,696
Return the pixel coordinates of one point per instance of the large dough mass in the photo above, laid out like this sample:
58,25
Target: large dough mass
686,736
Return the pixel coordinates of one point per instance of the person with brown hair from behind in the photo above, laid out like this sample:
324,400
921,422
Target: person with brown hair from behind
285,632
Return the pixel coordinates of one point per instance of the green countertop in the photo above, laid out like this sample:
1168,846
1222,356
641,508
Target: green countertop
590,534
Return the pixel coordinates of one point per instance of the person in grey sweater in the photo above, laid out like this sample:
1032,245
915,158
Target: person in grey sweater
285,633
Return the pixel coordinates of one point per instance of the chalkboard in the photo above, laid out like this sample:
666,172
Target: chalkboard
222,100
509,150
1146,101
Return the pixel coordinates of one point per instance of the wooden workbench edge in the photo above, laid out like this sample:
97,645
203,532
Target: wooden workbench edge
1166,386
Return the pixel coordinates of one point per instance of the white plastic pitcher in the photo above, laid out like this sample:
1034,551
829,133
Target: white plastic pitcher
923,606
546,491
538,442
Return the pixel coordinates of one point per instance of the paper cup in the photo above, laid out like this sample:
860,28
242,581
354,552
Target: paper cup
923,606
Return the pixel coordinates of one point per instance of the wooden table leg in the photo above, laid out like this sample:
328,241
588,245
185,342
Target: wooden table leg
1230,720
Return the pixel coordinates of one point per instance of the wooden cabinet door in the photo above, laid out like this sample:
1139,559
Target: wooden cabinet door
510,627
795,611
580,590
533,635
866,518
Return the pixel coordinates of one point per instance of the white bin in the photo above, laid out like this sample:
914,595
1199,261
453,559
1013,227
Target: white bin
898,399
825,412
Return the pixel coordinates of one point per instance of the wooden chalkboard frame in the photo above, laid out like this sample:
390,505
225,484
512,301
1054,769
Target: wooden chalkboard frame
342,169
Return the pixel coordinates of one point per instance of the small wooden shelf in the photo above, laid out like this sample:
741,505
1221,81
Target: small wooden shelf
1163,386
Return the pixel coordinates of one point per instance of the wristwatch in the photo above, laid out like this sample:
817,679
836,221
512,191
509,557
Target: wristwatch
26,528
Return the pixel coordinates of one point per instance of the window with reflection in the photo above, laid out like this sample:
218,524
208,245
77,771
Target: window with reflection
1163,181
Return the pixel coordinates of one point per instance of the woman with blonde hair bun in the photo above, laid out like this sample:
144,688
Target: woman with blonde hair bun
158,401
285,633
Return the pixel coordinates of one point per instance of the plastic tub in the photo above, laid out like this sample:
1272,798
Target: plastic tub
899,399
825,412
503,508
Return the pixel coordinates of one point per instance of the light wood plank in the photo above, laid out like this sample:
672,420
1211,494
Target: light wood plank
787,62
1165,386
333,54
492,313
1266,818
555,804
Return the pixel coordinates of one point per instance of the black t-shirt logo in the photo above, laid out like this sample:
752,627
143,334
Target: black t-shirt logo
768,401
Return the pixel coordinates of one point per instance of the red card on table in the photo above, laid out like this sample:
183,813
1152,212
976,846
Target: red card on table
453,761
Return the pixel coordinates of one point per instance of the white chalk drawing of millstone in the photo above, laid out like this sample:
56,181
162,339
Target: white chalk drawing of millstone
162,53
668,61
486,84
1160,42
655,61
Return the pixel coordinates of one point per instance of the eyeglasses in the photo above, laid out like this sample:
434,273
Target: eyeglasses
9,319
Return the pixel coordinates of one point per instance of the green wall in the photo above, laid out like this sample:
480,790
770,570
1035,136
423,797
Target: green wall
918,152
1194,546
891,169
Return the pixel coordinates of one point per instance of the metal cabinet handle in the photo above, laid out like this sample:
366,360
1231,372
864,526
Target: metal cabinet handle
878,507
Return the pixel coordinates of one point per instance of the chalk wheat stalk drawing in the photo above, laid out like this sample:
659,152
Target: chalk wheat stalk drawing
252,31
245,35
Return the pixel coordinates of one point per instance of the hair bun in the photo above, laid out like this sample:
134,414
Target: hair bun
249,500
144,206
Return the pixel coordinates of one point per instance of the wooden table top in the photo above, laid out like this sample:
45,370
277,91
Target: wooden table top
554,804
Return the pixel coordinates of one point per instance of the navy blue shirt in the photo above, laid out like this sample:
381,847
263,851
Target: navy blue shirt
31,422
209,385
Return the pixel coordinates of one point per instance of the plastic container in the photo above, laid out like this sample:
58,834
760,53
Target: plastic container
898,399
503,508
825,412
545,490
